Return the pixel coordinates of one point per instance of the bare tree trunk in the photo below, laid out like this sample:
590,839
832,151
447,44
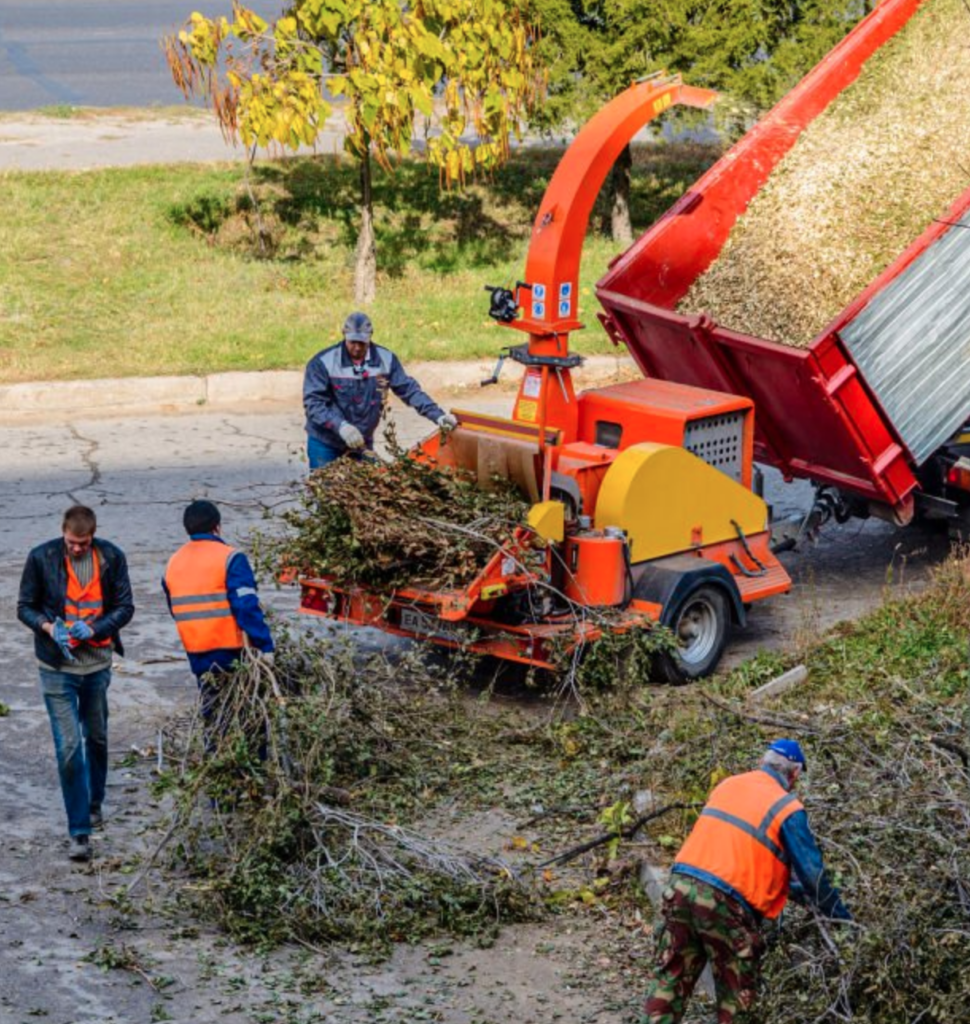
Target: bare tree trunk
621,227
365,269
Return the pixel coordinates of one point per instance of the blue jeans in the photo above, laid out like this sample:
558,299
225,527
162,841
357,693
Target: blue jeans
78,711
320,453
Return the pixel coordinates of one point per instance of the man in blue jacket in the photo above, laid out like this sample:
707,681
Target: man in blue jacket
344,391
75,596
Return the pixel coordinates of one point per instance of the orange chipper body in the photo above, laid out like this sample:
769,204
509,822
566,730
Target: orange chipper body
595,569
642,491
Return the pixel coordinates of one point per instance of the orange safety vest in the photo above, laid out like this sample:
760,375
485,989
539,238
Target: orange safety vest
82,603
737,838
196,582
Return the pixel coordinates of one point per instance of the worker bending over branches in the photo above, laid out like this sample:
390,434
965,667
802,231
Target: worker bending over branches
732,873
344,391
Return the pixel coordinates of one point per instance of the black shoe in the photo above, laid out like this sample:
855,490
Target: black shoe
97,818
80,848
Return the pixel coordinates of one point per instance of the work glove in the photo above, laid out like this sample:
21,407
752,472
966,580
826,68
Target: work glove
61,637
80,631
351,436
446,422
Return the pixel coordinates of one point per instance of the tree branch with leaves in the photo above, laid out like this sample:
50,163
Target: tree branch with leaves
459,73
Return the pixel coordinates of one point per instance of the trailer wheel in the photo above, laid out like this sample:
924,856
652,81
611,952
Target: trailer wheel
700,623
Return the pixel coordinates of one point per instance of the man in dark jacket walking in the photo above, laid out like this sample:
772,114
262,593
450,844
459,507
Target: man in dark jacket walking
344,391
75,595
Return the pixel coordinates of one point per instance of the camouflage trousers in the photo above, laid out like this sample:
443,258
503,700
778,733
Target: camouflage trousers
700,924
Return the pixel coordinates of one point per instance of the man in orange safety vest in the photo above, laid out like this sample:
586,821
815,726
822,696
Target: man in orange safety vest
211,592
733,872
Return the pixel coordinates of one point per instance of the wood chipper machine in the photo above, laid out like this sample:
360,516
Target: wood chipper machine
645,503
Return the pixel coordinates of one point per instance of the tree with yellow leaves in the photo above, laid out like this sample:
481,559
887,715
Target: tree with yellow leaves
460,73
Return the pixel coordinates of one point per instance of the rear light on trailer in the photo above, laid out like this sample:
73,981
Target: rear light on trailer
959,475
315,599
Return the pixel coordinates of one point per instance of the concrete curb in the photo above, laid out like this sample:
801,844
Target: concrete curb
128,396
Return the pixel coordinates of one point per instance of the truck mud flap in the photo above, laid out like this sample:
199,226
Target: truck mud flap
667,581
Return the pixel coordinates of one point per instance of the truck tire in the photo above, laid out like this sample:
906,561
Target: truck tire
700,622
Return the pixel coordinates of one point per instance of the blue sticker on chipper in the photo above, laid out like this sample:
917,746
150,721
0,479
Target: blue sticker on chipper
538,310
539,292
565,308
566,290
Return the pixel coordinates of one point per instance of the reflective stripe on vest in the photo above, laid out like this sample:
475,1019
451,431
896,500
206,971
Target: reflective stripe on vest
196,582
84,603
737,838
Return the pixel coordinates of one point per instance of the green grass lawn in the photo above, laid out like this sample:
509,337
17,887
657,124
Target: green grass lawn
66,112
152,270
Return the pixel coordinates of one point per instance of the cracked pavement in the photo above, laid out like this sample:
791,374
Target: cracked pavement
138,473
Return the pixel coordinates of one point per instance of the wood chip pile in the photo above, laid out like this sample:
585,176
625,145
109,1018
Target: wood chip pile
889,155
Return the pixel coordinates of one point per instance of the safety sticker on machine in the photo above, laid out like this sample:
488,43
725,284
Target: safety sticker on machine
527,411
565,298
539,301
532,384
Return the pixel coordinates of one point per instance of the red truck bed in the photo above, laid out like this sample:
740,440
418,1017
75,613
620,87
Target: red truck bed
882,387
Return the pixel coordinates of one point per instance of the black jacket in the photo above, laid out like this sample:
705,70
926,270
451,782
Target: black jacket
43,588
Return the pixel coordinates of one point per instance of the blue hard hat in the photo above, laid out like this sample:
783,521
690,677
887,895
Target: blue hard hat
789,749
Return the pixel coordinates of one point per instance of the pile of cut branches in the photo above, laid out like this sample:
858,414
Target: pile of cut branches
889,155
398,523
309,816
292,803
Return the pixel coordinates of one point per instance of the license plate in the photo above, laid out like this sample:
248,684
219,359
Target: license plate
422,624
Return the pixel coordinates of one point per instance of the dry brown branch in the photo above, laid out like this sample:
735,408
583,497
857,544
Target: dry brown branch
796,725
627,833
953,748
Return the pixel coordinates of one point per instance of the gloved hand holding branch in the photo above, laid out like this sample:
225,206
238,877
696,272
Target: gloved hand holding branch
351,436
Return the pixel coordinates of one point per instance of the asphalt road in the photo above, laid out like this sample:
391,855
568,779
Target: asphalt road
100,54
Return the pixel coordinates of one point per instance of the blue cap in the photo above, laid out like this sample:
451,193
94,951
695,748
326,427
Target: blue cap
357,327
789,749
